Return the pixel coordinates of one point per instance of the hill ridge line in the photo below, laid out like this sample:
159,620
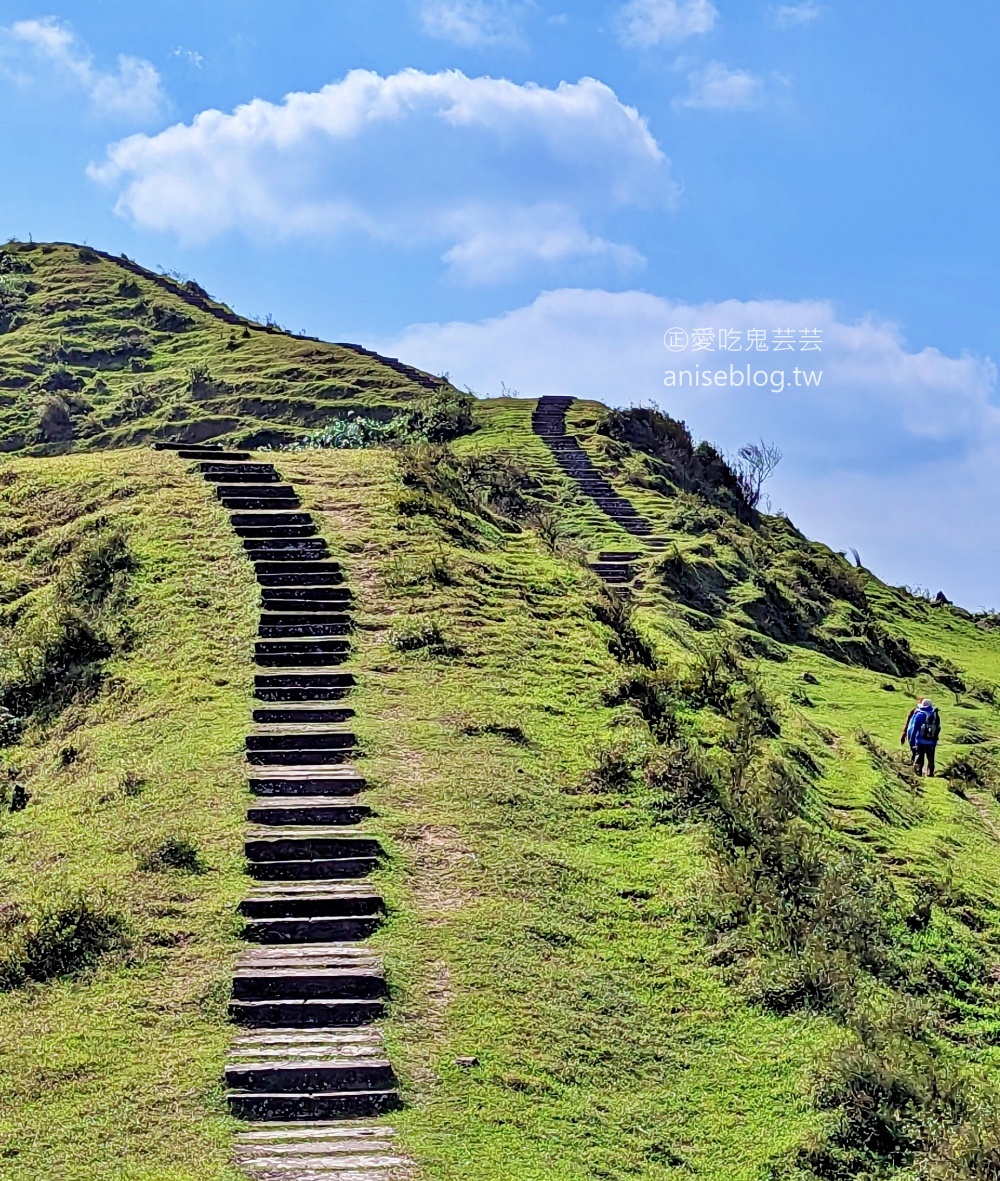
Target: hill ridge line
205,303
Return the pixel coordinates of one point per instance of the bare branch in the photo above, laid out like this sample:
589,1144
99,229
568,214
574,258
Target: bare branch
752,466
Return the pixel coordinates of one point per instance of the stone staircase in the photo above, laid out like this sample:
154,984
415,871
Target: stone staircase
308,1065
615,567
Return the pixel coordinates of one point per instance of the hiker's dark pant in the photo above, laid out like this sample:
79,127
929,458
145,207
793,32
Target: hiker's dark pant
922,751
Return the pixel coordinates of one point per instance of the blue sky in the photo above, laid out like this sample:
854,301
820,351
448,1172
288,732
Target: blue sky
532,193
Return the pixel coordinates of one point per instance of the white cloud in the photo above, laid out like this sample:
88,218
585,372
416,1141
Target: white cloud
134,91
473,22
496,244
191,56
895,452
715,87
492,173
791,16
645,23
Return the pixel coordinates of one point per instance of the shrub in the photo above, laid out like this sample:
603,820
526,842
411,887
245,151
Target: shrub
55,651
668,442
174,853
351,432
441,417
899,1100
55,423
423,636
627,643
458,491
685,785
167,319
511,733
656,695
613,771
63,939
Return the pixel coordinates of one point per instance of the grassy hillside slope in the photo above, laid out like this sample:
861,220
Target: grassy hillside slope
665,900
555,895
558,894
98,352
126,615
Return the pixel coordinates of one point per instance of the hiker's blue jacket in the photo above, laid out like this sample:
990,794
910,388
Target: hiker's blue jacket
914,732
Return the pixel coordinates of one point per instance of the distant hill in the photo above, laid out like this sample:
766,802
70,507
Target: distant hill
97,351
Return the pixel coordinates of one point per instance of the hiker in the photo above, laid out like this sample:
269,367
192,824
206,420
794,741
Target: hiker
922,731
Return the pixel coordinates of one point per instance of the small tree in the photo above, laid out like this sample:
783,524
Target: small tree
753,465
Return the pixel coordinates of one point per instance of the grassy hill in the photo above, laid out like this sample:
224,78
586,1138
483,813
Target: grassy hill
97,352
657,867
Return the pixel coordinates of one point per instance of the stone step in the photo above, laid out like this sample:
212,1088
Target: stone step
305,658
217,466
312,929
609,569
315,971
211,448
289,554
306,1044
319,736
326,780
275,598
619,556
233,474
296,810
287,574
303,756
312,900
326,1074
250,1105
300,631
287,693
302,660
195,452
307,1012
246,504
309,843
302,679
269,517
260,491
302,711
312,869
277,532
333,646
299,545
320,1151
288,616
307,606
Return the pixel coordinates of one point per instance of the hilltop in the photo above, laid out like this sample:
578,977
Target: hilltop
97,351
664,899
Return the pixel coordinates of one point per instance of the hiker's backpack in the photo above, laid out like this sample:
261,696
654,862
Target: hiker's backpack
930,731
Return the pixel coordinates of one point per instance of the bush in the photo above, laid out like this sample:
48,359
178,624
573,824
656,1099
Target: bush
174,853
55,423
352,432
460,491
657,697
627,643
427,637
685,784
668,442
613,772
439,418
63,939
55,651
899,1100
510,733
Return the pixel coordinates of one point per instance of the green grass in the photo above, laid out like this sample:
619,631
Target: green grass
116,1073
94,356
554,928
